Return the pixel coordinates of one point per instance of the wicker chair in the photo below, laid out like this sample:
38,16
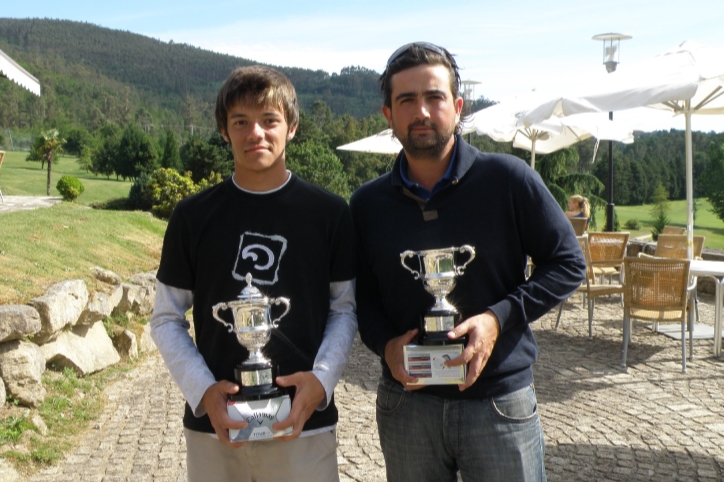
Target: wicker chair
656,289
590,288
607,253
579,225
673,230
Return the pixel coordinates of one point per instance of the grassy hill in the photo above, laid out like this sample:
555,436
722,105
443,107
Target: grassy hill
21,178
91,75
44,246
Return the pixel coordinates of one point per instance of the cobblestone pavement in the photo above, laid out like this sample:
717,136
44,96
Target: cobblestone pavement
602,422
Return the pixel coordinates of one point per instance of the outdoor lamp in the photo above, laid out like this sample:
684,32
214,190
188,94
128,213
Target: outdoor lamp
611,49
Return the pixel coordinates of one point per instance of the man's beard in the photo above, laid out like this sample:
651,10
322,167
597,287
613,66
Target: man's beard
427,147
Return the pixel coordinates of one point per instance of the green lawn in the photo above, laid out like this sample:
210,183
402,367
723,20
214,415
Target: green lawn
21,178
706,223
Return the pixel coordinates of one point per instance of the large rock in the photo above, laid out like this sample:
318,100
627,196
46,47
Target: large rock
18,321
146,343
86,349
99,307
137,299
59,307
21,366
144,279
125,343
106,276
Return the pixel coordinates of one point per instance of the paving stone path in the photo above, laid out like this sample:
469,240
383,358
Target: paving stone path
602,422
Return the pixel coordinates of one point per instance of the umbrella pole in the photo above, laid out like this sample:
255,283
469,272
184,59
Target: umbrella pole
689,185
610,207
532,152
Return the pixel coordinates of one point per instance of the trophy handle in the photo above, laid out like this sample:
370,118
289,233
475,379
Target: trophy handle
215,312
465,249
280,301
403,257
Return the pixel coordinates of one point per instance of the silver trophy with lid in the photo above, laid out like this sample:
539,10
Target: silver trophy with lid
253,324
438,271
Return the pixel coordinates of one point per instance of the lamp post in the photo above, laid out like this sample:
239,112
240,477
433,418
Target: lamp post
611,49
468,97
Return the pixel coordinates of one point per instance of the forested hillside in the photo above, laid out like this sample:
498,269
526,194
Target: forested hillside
91,75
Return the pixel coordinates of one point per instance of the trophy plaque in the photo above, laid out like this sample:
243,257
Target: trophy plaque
438,272
259,400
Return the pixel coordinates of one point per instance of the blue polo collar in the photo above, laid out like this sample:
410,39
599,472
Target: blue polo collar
446,180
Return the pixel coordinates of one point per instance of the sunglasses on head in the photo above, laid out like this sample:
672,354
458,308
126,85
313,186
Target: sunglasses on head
424,45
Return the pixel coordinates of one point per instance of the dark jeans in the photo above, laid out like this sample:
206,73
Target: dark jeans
427,438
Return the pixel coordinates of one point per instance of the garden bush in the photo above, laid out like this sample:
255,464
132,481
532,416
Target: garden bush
70,188
633,224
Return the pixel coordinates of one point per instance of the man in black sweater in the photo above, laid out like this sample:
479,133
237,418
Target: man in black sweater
443,193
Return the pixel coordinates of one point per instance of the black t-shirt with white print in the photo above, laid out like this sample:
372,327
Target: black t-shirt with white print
294,242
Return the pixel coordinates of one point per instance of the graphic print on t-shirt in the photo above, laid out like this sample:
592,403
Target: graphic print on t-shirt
260,255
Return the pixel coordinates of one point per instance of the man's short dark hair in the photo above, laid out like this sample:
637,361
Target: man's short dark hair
258,86
412,55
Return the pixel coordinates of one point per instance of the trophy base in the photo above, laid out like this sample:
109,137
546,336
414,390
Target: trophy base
261,415
256,382
427,364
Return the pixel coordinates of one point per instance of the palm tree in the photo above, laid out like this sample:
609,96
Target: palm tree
555,168
44,148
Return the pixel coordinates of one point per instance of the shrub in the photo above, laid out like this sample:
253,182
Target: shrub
140,196
167,188
633,224
70,188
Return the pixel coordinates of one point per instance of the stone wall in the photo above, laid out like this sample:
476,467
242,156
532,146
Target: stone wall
64,327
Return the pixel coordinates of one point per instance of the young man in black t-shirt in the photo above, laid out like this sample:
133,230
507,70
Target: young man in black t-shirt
297,241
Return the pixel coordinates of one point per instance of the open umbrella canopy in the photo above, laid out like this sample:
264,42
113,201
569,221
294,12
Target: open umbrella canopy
502,123
688,79
381,143
11,70
690,72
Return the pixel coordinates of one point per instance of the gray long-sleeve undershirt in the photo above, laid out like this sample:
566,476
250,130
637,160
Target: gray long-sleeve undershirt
170,332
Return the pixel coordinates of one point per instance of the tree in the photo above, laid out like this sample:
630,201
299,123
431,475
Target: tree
202,157
136,153
554,169
170,158
713,179
660,210
317,164
44,147
104,158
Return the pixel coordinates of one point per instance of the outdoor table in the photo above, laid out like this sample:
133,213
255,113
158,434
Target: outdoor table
713,269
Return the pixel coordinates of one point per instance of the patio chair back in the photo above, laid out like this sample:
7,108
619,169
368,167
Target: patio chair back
655,289
673,230
579,225
671,246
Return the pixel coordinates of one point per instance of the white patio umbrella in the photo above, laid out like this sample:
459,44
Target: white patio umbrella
687,80
381,143
502,123
11,70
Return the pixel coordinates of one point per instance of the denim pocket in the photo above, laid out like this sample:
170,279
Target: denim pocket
390,396
519,406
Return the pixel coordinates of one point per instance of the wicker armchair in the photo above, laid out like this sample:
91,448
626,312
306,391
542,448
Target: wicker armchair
655,289
607,253
590,288
579,225
673,230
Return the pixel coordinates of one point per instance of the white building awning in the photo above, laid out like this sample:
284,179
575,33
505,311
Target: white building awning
11,70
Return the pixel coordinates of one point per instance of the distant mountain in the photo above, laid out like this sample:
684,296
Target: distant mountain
90,75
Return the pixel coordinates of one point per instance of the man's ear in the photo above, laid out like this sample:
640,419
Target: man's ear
459,106
292,131
225,136
387,112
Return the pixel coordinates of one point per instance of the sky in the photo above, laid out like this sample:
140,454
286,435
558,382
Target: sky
509,47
